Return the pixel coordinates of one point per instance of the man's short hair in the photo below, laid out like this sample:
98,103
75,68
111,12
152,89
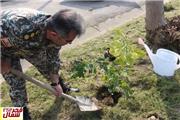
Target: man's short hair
65,21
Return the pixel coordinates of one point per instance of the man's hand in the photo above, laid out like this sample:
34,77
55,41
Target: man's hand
5,67
58,90
141,41
56,86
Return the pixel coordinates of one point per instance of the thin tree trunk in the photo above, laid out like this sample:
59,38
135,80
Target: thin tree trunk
154,14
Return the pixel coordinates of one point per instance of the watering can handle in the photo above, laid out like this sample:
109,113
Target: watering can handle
40,84
178,65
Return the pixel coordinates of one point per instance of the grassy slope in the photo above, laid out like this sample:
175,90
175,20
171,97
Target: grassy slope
151,94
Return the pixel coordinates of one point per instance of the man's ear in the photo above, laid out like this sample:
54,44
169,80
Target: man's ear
51,33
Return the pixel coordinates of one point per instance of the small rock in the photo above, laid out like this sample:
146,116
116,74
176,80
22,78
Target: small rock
152,118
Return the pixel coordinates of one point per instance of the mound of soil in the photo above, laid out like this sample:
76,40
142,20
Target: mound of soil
167,36
106,97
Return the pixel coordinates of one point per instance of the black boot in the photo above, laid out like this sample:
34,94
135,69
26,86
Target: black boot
26,114
66,88
108,55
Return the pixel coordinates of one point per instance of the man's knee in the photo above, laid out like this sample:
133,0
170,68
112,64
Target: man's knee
14,81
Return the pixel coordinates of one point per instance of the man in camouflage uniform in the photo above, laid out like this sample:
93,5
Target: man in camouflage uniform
37,37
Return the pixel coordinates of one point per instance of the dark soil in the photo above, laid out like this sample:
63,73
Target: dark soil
106,97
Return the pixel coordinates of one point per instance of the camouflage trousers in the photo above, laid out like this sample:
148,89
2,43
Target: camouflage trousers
17,85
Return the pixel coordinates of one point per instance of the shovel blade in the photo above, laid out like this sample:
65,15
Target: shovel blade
86,104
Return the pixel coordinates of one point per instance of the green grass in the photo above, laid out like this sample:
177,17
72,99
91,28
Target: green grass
152,94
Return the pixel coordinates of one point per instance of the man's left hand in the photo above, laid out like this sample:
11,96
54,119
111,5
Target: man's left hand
58,90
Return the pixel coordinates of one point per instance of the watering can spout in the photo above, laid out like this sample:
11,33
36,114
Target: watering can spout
150,53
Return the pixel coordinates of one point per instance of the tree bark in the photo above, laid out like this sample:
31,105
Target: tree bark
154,14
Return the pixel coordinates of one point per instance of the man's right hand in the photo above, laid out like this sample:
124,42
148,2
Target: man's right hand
5,67
58,90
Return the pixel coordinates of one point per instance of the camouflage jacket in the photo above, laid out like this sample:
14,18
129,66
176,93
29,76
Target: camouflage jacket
24,29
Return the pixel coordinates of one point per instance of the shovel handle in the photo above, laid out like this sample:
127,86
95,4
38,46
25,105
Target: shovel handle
40,84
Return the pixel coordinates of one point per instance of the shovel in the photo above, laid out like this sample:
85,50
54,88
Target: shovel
84,103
